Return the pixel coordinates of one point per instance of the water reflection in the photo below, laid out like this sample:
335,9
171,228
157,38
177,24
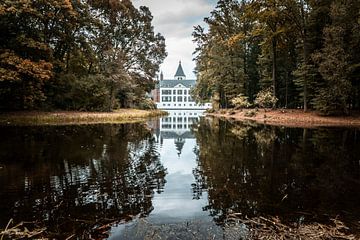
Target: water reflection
179,176
295,174
177,213
69,176
177,126
177,144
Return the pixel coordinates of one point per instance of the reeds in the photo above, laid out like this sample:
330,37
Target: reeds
20,231
68,118
274,229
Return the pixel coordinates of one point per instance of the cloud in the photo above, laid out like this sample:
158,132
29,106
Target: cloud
175,19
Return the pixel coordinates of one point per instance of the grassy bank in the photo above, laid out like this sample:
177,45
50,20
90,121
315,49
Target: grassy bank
288,117
65,118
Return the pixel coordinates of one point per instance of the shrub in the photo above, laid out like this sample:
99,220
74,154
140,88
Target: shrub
250,113
210,110
87,93
147,104
265,99
240,101
222,111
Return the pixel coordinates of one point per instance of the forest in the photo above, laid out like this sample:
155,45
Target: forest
301,54
89,55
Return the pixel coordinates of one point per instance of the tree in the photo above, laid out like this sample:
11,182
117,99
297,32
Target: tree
132,51
45,45
271,27
333,66
221,53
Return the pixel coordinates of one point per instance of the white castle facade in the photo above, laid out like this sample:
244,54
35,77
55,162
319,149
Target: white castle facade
175,93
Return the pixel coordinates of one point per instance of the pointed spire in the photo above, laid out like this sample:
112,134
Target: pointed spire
180,72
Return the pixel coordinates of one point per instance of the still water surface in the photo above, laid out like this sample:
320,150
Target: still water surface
176,176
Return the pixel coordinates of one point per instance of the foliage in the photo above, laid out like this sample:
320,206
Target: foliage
147,104
80,49
250,113
266,99
333,67
220,53
305,51
240,101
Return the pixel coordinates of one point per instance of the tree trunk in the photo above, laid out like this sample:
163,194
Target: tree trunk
305,55
111,96
286,89
274,67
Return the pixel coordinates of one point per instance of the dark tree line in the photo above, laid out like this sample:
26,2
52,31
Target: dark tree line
80,55
94,173
259,170
305,52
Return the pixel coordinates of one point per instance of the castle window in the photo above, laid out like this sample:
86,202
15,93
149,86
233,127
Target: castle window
166,92
179,99
179,91
166,99
174,91
185,92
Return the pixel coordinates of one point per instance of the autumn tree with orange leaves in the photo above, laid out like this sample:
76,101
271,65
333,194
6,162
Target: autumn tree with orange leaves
80,55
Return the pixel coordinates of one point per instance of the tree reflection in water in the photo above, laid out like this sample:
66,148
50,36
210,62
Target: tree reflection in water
295,174
73,175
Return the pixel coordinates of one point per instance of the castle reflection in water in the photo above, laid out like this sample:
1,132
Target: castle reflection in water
176,125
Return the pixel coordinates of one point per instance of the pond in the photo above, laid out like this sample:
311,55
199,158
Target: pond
182,176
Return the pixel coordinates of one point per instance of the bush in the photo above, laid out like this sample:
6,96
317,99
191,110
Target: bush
210,110
240,101
250,113
147,104
222,111
265,99
87,93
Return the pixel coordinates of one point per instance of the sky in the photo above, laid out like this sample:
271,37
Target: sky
175,19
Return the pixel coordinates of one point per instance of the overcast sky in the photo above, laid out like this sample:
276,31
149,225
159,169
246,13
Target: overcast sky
175,19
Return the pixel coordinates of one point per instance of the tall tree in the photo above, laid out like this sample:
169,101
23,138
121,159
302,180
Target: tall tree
222,53
333,61
55,50
272,28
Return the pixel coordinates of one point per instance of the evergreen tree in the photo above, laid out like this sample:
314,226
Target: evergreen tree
333,63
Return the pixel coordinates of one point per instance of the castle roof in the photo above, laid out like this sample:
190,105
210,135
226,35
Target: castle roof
173,83
180,71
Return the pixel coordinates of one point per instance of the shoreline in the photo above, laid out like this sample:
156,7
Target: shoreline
38,118
288,118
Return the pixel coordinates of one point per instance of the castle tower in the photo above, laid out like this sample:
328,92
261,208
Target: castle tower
180,75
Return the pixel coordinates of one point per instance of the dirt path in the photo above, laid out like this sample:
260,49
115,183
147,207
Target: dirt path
289,118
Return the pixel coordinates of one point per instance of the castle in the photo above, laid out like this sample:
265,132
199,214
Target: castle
175,93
